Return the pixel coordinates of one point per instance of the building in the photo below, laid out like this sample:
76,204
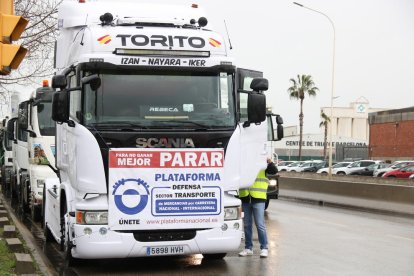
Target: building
352,121
350,135
392,134
312,146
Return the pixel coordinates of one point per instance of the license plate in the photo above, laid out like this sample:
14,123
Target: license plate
165,250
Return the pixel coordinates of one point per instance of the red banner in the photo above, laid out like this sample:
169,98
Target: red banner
166,159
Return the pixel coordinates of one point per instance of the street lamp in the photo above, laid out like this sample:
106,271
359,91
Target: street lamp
333,81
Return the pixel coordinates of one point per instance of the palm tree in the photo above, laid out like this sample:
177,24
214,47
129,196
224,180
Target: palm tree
303,85
324,123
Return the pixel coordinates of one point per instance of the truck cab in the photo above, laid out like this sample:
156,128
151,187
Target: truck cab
156,131
35,148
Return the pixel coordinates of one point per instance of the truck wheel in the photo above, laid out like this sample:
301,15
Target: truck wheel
67,244
3,180
13,187
217,256
36,213
23,204
267,203
46,231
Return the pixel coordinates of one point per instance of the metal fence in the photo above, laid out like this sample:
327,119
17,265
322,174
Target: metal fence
344,152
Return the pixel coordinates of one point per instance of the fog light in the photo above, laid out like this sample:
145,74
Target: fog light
224,227
236,226
103,231
87,231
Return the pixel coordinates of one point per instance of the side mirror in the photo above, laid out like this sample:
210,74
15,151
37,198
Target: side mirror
60,107
23,117
93,80
256,108
279,120
275,127
259,84
59,81
280,132
10,128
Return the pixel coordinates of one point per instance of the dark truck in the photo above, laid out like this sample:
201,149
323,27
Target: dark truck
273,188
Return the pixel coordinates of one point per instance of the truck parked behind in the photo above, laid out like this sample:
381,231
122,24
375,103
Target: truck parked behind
35,149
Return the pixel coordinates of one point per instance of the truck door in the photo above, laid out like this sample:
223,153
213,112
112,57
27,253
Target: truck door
22,155
252,137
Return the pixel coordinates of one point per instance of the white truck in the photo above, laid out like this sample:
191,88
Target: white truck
7,161
34,149
157,130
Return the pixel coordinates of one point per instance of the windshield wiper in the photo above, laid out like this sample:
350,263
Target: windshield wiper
181,122
119,125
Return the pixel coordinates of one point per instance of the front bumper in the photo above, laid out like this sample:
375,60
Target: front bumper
115,244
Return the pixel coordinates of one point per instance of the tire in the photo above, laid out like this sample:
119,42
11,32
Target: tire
391,176
340,173
216,256
267,203
46,231
36,213
3,180
67,244
24,205
324,173
13,185
380,174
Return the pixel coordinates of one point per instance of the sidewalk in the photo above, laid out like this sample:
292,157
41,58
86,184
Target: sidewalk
36,253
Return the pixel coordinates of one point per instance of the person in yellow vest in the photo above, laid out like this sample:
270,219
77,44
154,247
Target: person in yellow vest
253,206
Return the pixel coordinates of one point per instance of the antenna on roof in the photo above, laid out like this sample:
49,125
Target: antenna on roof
228,36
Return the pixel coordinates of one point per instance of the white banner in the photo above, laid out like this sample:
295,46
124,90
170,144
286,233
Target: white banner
165,188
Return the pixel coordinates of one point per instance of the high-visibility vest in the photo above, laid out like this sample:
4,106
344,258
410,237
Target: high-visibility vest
259,187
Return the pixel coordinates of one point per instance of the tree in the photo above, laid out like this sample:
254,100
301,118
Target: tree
324,123
303,85
39,38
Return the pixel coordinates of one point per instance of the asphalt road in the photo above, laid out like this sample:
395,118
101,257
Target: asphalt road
304,240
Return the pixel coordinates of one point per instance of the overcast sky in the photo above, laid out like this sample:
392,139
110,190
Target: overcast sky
374,49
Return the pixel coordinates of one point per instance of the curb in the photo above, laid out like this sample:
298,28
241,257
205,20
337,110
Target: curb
36,253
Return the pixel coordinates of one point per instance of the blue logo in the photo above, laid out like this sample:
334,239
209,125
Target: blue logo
131,195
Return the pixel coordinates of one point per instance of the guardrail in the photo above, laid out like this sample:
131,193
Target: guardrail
377,194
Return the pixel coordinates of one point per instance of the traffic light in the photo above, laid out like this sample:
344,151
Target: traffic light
11,28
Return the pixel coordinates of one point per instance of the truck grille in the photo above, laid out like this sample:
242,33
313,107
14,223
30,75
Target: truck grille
165,235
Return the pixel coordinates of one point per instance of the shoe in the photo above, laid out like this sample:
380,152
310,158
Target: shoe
246,252
264,253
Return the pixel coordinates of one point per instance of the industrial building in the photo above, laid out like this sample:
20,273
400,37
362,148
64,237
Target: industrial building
392,134
350,133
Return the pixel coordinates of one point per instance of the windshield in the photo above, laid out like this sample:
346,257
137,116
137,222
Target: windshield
46,124
402,164
159,100
340,165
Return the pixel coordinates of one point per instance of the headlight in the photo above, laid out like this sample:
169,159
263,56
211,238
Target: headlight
91,217
232,213
40,183
272,182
